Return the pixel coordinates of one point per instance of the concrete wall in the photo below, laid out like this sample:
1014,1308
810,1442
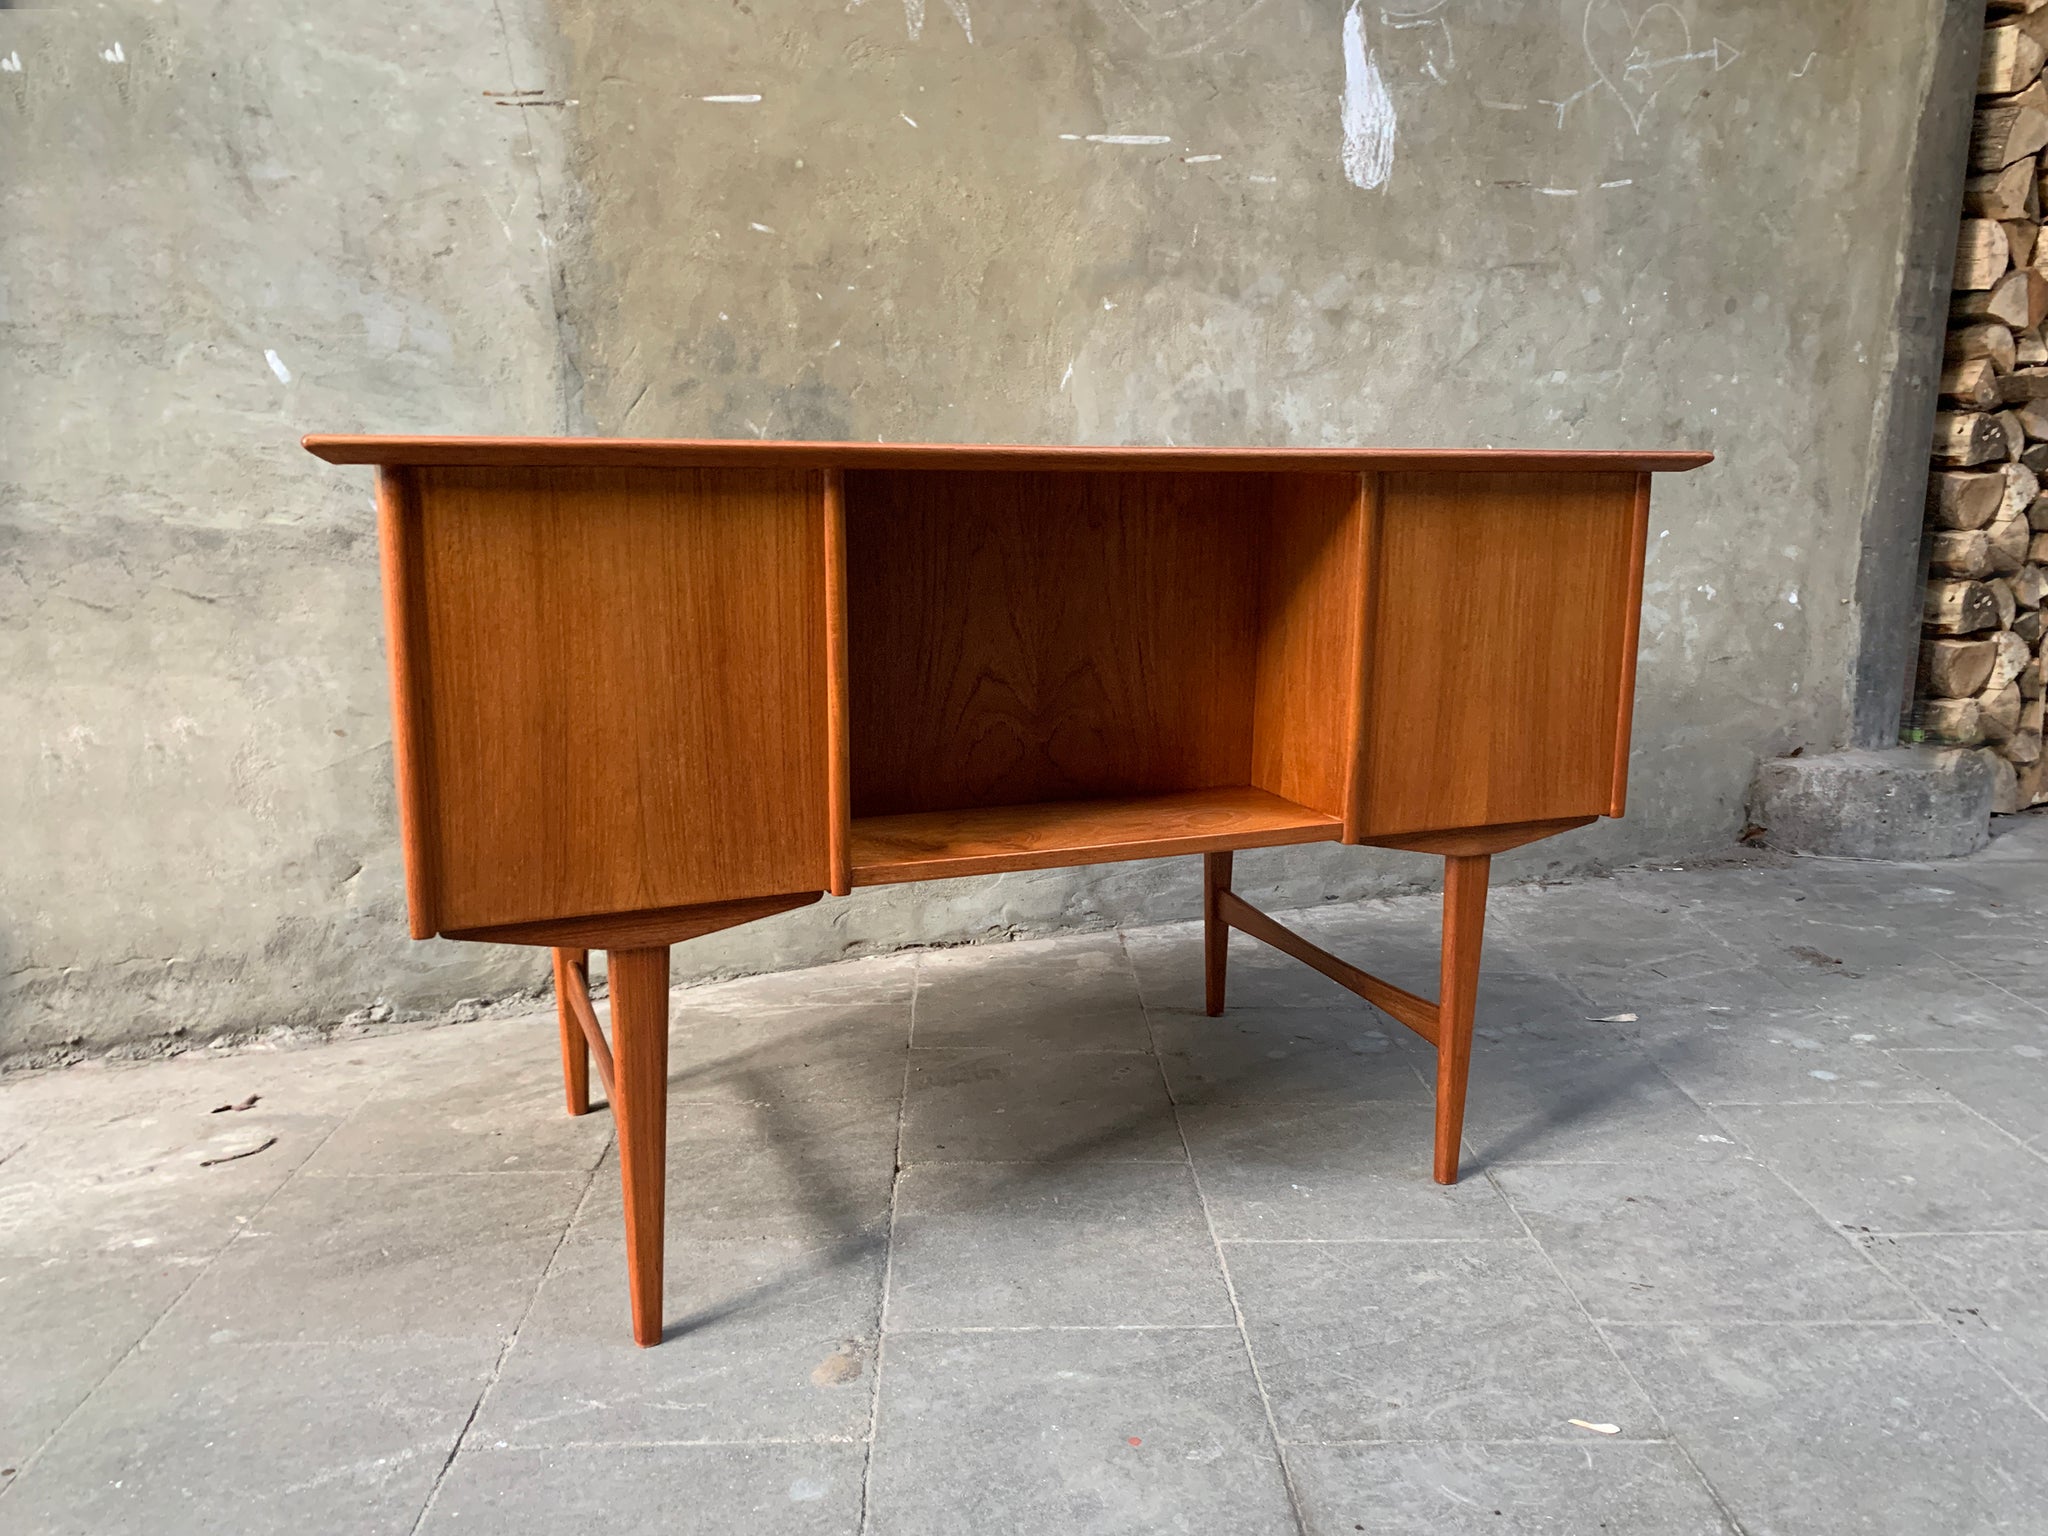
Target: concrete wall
1683,225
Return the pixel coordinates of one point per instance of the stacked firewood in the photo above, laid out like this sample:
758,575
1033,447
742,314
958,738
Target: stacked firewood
1981,657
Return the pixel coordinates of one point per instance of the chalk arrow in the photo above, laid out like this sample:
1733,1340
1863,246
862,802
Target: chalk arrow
1723,55
1720,53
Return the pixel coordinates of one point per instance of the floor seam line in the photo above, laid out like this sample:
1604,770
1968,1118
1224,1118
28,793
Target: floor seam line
1216,1245
867,1472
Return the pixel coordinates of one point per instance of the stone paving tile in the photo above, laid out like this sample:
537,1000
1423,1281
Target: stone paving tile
1687,1242
1798,1055
2008,1087
1937,1006
1333,1171
1293,1056
1079,1244
143,1184
765,1341
1630,1489
260,1440
1075,994
1582,1100
1000,1106
1425,1341
1991,1290
504,1121
805,1170
1081,1432
739,1054
1900,1167
67,1322
679,1490
1816,1430
356,1260
882,980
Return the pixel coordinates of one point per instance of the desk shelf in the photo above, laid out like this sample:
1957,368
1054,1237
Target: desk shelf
986,840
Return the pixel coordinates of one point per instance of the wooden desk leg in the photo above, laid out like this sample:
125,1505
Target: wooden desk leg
1215,932
575,1049
639,986
1464,926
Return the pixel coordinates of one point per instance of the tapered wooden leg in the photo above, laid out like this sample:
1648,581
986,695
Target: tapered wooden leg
1215,932
1464,927
571,971
639,986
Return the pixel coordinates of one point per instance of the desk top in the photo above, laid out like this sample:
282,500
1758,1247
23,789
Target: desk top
686,453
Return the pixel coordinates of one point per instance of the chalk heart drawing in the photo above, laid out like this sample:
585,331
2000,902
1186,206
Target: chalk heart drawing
1635,57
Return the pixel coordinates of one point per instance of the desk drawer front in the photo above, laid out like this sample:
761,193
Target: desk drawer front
620,680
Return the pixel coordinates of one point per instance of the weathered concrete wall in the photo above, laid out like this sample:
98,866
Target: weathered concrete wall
1682,225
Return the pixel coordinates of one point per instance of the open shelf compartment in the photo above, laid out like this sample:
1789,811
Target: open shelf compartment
1047,668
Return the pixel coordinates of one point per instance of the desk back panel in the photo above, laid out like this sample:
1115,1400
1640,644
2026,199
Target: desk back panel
620,688
1500,656
1022,637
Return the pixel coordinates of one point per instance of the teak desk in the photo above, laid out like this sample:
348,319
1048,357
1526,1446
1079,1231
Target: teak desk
642,691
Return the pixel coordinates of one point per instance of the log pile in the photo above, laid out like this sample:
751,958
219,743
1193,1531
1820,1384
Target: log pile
1981,656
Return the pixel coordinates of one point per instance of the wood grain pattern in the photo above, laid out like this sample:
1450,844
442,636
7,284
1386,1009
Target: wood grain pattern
1017,638
572,995
1632,620
639,987
1312,598
398,556
1499,609
632,930
1403,1006
1215,931
1457,995
838,762
1487,840
935,845
628,702
682,453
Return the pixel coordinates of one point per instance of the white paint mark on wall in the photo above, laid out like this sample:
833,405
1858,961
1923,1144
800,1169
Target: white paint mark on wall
1559,191
913,16
114,55
1067,377
1130,138
763,228
1505,106
1800,72
11,64
1627,181
744,100
1264,180
1368,110
1071,137
908,118
284,374
1198,159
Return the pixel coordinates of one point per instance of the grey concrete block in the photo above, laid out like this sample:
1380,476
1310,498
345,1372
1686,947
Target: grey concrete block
387,1257
1031,1245
1809,1430
1779,1056
1582,1098
765,1341
1074,995
1990,1290
1082,1432
679,1490
815,1169
67,1323
1900,1167
1690,1242
1895,803
261,1440
751,1053
1333,1171
2008,1087
1426,1341
1503,1490
1001,1106
1168,962
1291,1056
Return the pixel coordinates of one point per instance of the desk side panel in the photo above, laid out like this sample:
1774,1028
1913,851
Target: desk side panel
1500,649
627,688
1311,610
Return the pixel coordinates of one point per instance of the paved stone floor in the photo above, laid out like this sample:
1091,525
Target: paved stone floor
1013,1239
